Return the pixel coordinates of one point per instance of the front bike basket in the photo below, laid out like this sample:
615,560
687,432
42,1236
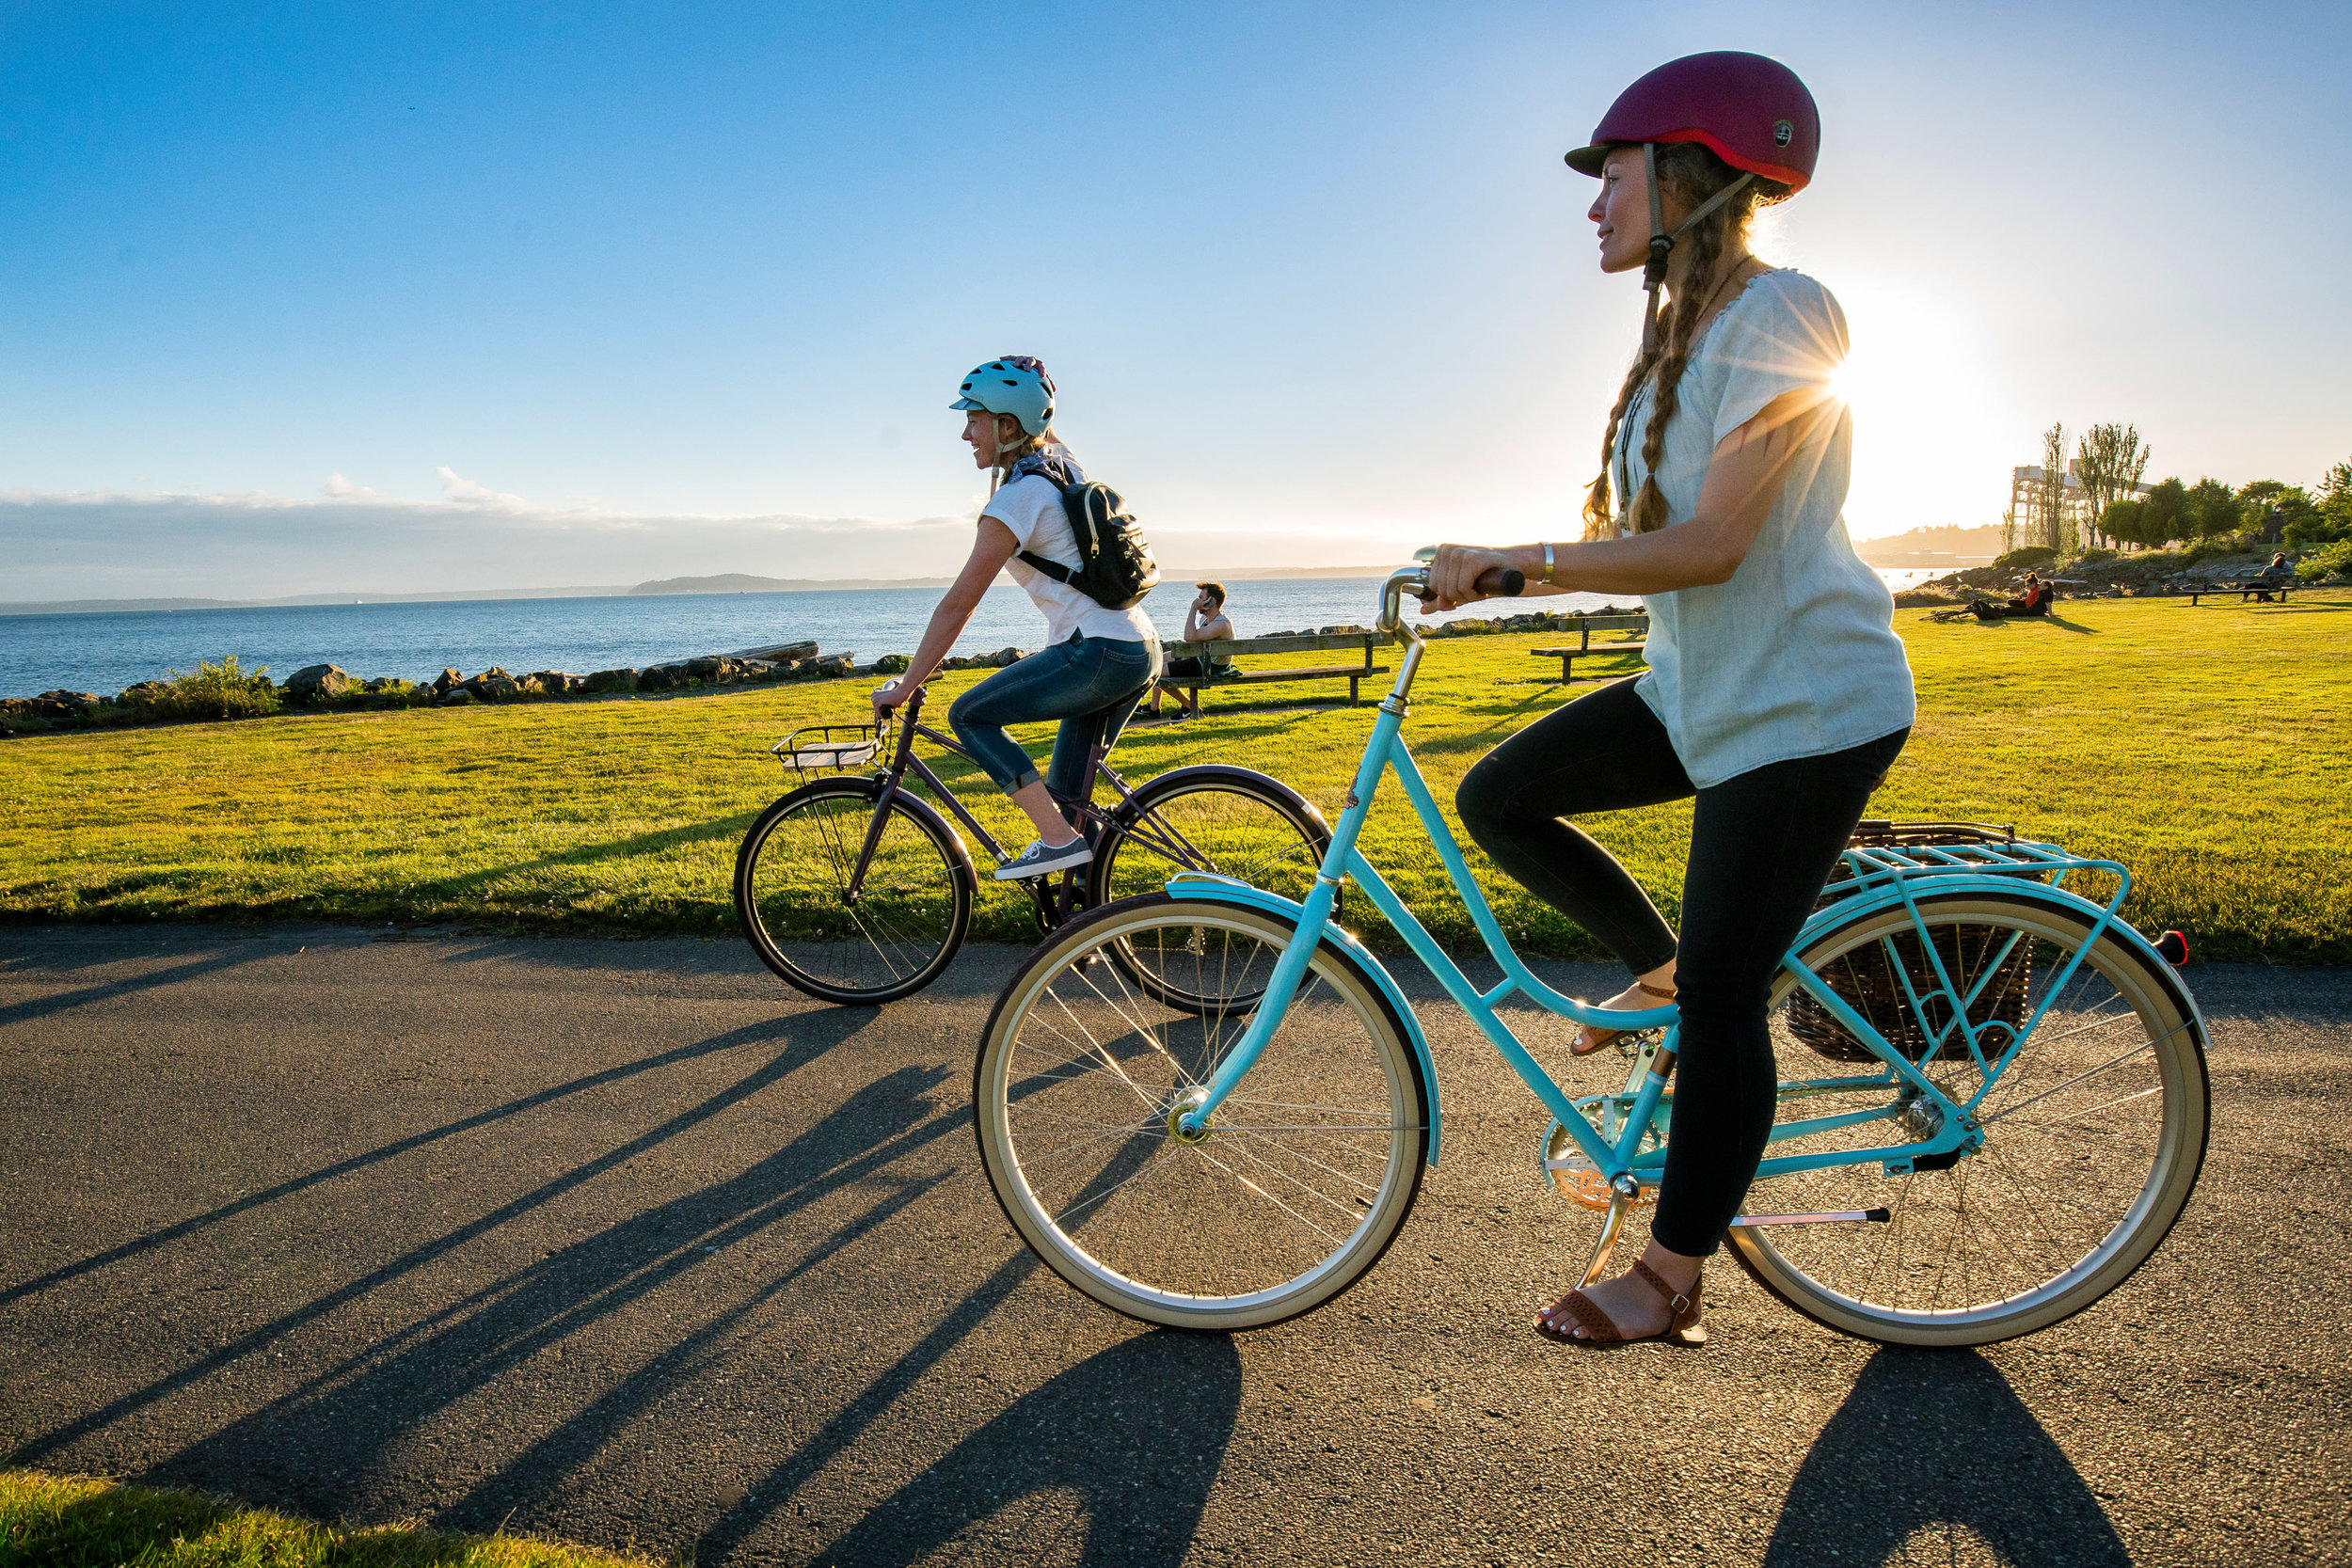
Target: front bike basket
1869,980
828,748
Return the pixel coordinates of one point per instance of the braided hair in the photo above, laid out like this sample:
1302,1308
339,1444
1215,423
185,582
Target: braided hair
1692,172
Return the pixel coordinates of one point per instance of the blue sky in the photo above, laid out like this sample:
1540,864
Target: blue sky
402,297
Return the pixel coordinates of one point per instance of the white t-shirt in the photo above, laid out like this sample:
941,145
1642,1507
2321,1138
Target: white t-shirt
1031,507
1796,655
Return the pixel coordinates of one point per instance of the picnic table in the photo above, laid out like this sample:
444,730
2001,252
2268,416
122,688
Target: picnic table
1586,648
1186,690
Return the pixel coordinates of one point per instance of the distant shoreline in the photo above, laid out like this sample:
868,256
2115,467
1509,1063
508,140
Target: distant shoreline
732,583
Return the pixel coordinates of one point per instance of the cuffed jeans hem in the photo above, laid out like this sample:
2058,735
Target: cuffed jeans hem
1024,782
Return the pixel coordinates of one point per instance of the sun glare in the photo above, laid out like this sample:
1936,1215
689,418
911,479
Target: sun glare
1930,416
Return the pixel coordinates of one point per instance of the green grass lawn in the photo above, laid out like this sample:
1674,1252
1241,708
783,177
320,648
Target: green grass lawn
2205,747
84,1522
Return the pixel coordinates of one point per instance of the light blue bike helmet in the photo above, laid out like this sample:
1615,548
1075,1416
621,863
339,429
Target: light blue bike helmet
1015,384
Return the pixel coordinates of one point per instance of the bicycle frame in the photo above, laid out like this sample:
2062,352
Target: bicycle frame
1881,878
1051,907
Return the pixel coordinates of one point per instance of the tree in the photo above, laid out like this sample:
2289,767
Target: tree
2109,462
2125,520
2164,515
2256,502
2213,510
2054,533
2331,516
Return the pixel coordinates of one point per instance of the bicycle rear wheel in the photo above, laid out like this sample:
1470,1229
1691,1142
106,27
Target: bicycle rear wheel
1297,1187
1226,822
2093,1134
792,894
1230,821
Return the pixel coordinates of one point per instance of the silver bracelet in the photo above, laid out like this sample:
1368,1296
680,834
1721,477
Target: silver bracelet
1549,565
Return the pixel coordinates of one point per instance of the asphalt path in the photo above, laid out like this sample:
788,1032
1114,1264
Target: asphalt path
626,1242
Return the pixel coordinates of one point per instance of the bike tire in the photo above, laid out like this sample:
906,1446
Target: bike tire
2093,1140
790,877
1075,1087
1214,818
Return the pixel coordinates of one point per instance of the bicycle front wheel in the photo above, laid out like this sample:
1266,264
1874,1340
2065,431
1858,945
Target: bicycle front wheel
1294,1189
2094,1131
886,937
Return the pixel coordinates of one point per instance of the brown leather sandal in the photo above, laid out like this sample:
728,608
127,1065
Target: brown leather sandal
1601,1329
1589,1039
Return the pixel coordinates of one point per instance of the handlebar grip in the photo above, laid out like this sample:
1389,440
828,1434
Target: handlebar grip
1506,582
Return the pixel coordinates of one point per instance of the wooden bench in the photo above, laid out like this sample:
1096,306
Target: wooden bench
1586,648
1186,690
2244,591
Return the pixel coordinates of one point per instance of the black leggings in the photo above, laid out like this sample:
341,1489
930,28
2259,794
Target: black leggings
1761,846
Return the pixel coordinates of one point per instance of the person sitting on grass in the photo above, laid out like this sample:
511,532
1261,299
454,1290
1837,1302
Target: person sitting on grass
2034,600
1206,620
1097,663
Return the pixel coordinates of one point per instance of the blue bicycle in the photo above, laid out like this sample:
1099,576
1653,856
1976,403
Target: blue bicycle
1993,1102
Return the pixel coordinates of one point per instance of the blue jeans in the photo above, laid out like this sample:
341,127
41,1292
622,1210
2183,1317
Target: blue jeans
1091,684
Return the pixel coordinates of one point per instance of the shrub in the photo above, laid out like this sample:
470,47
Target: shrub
2223,544
2094,554
2024,556
2325,562
892,664
216,692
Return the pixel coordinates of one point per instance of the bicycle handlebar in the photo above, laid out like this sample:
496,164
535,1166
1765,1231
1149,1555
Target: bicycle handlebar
1500,582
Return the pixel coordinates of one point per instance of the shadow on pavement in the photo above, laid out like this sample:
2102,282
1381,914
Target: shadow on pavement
64,1002
322,1443
560,1283
1129,1441
360,1161
1931,1443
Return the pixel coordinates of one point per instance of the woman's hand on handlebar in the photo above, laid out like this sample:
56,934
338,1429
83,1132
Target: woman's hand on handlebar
884,698
1454,572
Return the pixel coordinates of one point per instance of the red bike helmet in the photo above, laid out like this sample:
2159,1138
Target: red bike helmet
1750,111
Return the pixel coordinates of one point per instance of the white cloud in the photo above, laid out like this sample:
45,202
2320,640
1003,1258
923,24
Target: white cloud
465,492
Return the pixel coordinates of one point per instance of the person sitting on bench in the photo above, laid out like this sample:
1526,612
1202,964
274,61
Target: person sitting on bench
1206,620
2035,600
2278,575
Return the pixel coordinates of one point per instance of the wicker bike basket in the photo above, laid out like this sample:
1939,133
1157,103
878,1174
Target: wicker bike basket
1867,979
828,748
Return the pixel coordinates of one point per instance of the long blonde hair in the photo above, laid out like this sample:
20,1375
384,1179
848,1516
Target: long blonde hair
1692,173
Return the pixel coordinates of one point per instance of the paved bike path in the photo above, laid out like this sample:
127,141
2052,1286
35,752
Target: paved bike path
627,1242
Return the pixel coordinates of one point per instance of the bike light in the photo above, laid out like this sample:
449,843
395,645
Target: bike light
2174,948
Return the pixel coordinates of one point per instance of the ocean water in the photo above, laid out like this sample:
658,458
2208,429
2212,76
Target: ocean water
105,652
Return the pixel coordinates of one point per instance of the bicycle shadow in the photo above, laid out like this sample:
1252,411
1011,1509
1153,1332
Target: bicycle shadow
1931,1443
1121,1450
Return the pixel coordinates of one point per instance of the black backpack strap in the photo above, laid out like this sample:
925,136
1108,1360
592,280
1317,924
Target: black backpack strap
1054,569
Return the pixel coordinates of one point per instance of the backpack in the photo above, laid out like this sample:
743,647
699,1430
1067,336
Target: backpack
1116,568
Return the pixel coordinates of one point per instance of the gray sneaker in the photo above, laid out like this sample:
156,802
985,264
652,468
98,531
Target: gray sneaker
1038,861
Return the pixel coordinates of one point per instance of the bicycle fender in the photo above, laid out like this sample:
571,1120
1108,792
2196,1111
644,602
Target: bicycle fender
1963,883
1193,886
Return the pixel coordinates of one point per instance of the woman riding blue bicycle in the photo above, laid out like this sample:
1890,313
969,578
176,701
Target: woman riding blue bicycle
1777,694
1098,662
